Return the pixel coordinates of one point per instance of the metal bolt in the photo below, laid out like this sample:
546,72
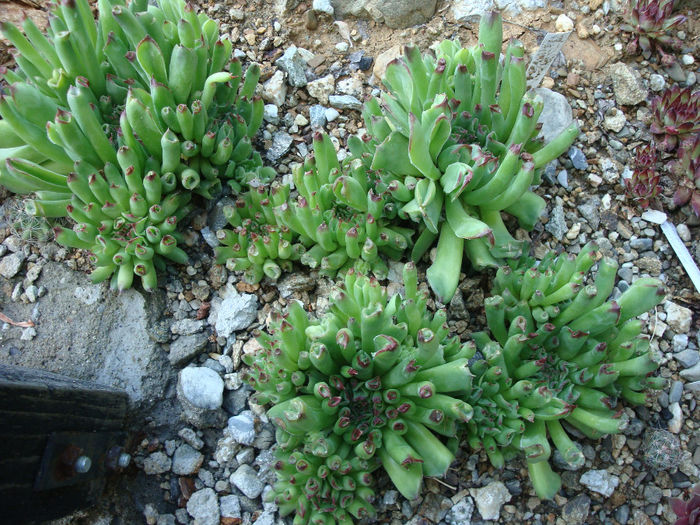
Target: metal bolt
82,465
124,460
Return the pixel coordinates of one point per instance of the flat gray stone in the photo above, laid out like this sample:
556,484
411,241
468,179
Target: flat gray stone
691,374
281,142
394,13
490,499
600,481
230,506
687,358
241,428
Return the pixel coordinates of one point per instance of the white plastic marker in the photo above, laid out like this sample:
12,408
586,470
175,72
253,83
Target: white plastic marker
659,217
544,56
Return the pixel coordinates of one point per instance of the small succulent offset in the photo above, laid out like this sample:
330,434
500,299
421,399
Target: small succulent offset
560,352
455,140
341,215
688,512
676,115
687,169
643,185
650,21
257,245
372,383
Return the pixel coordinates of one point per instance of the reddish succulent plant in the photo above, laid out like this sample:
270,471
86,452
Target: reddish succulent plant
688,512
650,21
643,185
687,168
675,113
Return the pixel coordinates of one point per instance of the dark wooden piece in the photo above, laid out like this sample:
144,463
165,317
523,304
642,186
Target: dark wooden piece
34,404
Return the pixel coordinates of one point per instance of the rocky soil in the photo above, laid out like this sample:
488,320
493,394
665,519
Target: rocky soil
202,451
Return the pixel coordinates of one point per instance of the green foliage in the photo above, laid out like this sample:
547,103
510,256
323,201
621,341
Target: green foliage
115,122
127,216
558,349
372,383
455,140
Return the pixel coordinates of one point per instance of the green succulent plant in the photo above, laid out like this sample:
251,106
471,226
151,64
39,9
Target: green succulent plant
455,140
127,216
372,383
558,351
257,245
140,76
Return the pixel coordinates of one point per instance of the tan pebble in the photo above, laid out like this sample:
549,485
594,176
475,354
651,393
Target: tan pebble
548,82
582,32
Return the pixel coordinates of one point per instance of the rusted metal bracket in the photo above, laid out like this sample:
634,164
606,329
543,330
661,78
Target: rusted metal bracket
72,458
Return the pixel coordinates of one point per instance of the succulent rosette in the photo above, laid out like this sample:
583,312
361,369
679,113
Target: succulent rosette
676,115
341,215
256,245
374,382
687,169
643,185
455,140
558,352
650,21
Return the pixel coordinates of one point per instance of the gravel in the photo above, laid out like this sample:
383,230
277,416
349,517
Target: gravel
600,481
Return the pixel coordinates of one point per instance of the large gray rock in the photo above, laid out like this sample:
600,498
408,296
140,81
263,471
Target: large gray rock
85,331
202,387
556,115
394,13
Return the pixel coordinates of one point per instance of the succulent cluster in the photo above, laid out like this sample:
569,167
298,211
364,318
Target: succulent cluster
649,21
372,383
115,122
558,350
455,140
643,185
255,244
341,217
126,215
